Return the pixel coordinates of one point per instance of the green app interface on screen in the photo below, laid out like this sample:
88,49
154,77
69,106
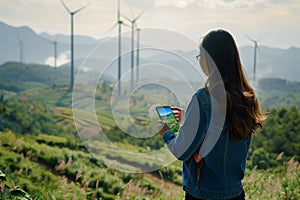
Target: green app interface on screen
165,113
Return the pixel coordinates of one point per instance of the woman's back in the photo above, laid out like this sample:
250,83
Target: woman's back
222,169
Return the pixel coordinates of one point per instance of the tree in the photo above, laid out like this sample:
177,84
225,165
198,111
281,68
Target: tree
281,133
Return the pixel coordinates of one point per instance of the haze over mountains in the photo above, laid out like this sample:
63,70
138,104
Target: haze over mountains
39,48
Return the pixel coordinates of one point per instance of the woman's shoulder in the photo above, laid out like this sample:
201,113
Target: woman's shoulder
203,96
202,91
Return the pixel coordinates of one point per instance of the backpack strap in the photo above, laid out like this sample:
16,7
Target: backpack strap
198,160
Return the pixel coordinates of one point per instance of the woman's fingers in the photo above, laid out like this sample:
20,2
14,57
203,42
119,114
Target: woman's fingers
176,109
178,113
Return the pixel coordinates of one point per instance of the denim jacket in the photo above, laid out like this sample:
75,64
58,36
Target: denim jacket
223,168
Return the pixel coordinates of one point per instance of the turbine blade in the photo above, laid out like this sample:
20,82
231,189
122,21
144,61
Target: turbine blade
140,15
131,13
128,19
110,29
258,38
65,6
118,12
80,9
126,24
250,38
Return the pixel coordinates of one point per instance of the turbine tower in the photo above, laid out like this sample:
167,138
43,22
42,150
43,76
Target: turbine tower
133,25
21,55
254,61
72,13
119,47
55,53
119,23
138,54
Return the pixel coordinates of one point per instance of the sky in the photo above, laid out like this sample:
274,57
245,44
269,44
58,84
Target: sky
273,23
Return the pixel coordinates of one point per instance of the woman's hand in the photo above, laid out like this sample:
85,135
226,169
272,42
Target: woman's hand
179,113
163,127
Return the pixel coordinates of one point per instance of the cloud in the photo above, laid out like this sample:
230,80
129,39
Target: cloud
258,4
62,59
85,69
138,3
232,3
175,3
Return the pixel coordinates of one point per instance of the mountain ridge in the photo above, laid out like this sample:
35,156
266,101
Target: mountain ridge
271,61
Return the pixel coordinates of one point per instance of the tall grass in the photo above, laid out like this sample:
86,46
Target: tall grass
282,183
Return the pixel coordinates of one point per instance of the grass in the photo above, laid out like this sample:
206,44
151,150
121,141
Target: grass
44,169
283,183
47,166
31,176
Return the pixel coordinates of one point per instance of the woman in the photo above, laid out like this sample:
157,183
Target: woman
218,172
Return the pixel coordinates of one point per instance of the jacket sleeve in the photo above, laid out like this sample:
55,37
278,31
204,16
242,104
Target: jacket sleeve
190,135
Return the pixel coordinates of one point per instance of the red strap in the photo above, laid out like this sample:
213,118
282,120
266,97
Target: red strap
198,160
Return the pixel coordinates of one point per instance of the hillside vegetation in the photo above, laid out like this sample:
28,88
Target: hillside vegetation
275,92
42,156
58,160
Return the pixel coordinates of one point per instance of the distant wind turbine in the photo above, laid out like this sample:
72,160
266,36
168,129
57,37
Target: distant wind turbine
55,53
133,25
72,13
119,47
21,53
54,42
119,23
254,61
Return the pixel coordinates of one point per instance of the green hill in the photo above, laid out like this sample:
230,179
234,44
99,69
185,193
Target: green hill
19,77
276,93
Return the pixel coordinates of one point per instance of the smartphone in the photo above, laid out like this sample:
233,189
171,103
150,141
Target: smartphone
165,113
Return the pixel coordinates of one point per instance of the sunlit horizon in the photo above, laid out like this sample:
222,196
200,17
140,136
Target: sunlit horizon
271,22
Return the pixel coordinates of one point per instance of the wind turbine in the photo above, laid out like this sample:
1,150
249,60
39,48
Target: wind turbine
133,25
255,58
72,13
119,23
54,42
254,61
21,49
55,53
119,46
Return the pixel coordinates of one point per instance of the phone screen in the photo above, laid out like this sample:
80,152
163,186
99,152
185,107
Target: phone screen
165,113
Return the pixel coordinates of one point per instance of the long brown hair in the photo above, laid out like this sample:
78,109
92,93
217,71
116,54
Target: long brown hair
243,114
